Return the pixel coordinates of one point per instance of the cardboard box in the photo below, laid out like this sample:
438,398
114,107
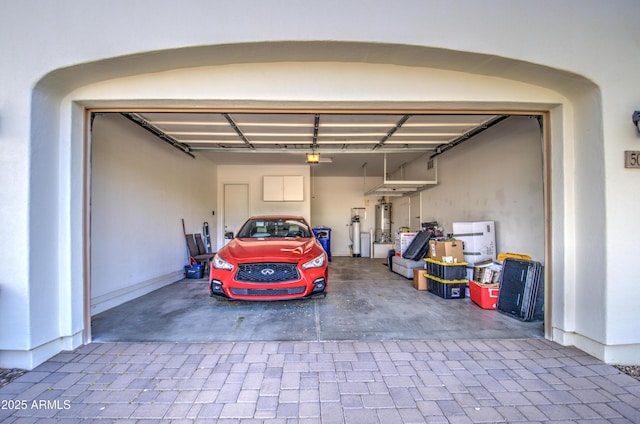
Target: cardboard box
486,272
403,240
441,249
419,279
478,238
478,270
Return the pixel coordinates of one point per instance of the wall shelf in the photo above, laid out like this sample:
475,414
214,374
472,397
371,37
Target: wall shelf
390,187
399,188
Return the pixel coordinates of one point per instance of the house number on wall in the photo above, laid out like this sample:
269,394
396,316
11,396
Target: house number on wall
631,159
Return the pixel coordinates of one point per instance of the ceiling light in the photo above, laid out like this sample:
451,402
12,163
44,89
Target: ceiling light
202,133
274,134
313,157
274,124
353,141
358,125
427,134
440,124
220,124
211,141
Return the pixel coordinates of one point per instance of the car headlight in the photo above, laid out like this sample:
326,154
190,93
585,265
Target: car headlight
219,263
314,263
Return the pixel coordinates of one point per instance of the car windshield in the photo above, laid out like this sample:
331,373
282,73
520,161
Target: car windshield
274,227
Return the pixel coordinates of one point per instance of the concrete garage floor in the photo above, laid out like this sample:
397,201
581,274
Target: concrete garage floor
366,302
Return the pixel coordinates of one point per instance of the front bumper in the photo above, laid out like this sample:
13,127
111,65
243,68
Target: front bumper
274,291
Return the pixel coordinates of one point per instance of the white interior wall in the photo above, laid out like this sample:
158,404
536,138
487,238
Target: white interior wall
253,176
495,176
331,206
475,184
141,189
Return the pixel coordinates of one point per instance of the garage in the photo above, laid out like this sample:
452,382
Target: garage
152,168
252,58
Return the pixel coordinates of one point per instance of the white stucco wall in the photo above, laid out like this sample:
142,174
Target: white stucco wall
495,53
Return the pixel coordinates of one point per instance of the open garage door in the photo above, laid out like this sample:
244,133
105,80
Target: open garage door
151,169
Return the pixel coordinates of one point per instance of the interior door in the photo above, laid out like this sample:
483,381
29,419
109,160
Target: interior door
414,212
236,206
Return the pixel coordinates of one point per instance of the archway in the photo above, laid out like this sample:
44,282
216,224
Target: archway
62,96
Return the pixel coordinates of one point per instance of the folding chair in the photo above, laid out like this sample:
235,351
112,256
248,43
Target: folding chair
198,251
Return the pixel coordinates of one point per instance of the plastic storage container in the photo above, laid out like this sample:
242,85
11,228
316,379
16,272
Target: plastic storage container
447,289
446,271
484,295
323,234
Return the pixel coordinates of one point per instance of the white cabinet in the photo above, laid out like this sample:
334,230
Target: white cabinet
273,189
293,188
283,188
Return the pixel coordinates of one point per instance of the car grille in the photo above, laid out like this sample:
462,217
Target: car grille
267,272
267,292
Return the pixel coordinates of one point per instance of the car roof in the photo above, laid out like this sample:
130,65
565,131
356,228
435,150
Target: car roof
278,217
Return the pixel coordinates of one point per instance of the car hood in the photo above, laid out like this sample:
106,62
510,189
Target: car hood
277,250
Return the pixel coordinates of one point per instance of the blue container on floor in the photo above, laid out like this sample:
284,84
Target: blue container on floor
323,234
195,271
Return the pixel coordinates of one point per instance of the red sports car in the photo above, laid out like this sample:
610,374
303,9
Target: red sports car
271,258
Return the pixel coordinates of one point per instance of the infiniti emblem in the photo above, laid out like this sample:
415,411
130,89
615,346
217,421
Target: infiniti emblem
267,271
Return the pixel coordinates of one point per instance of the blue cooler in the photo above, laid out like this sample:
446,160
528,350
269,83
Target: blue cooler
323,234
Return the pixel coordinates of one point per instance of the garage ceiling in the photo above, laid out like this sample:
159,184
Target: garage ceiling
346,142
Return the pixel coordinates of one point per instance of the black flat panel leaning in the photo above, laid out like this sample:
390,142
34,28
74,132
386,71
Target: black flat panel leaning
522,290
418,246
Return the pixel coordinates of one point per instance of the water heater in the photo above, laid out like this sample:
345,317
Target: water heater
383,223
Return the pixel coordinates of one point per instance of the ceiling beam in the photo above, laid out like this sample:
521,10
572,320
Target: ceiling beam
237,130
466,136
316,124
143,123
392,131
304,150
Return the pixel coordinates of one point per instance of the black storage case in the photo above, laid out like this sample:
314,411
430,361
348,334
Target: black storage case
522,290
446,289
446,271
418,246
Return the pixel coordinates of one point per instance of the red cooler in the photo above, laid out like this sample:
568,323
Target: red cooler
484,295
